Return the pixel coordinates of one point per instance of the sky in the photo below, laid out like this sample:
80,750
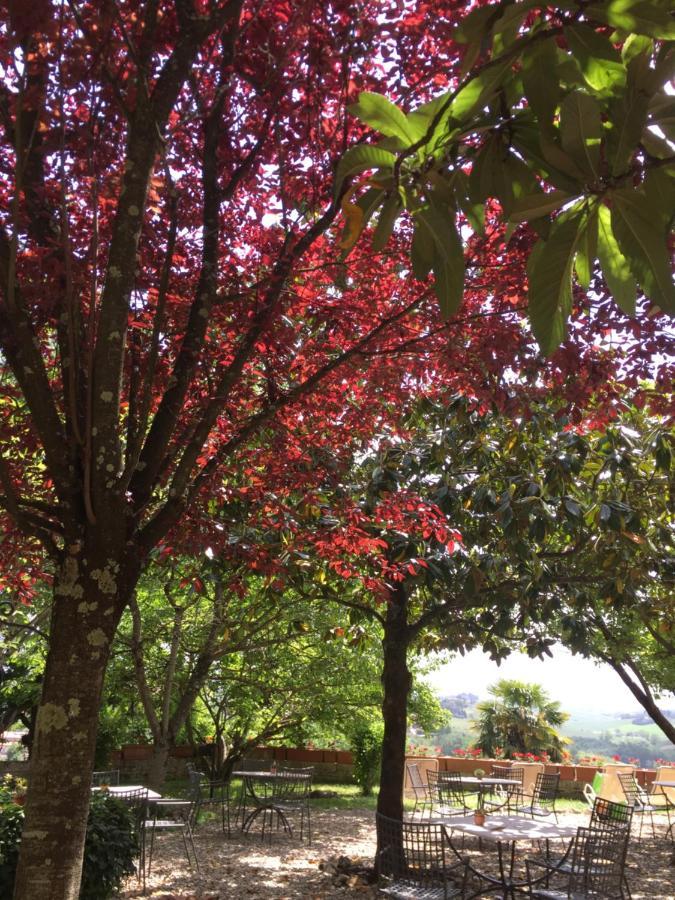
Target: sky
577,683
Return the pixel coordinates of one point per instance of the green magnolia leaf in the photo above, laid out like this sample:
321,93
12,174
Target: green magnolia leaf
369,202
539,204
358,159
659,186
636,16
635,45
385,224
448,265
422,250
628,115
475,25
587,251
558,158
474,211
598,60
581,131
614,264
540,80
483,179
550,282
383,115
476,93
636,227
526,139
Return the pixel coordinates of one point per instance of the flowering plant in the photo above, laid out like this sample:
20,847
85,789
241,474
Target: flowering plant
499,753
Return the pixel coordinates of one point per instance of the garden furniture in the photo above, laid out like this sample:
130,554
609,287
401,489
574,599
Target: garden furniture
414,861
447,794
541,802
422,791
204,792
171,815
510,788
283,794
136,800
643,804
504,832
594,867
109,777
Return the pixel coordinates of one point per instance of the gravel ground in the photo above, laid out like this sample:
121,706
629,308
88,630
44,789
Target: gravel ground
244,867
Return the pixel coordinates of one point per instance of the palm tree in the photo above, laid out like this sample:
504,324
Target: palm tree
520,718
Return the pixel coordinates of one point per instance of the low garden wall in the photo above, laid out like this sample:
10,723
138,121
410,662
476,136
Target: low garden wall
329,765
572,777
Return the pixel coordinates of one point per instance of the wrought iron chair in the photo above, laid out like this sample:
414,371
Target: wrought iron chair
610,814
413,861
110,776
288,793
509,795
447,794
171,815
422,791
542,800
204,793
136,802
641,803
606,814
593,868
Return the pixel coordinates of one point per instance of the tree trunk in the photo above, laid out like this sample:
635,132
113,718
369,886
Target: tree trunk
396,684
85,614
158,764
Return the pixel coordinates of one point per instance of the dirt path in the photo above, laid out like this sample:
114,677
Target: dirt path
244,867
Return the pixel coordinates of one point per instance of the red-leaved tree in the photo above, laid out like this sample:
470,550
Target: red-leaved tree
177,328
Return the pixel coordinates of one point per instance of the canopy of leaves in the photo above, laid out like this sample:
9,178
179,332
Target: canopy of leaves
561,115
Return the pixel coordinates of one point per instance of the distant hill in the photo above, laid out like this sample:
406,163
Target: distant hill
460,705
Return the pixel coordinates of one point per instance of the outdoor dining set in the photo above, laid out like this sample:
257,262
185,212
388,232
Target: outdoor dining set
273,797
427,856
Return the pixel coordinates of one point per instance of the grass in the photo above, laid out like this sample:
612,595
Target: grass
349,796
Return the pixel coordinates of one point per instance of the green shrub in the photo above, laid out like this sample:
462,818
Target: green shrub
109,849
367,749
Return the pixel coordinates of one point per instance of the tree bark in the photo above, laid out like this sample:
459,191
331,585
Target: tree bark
396,684
85,613
158,763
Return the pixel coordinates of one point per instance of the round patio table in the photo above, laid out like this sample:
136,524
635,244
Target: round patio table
505,832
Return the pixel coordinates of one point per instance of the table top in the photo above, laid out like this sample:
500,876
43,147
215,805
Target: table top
510,828
125,788
490,782
663,784
255,774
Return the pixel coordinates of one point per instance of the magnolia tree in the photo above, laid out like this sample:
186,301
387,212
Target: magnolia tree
178,326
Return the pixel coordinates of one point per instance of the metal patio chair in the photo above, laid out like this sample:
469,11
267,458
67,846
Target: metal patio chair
509,795
413,861
593,868
109,776
136,802
641,803
287,794
205,793
422,791
541,802
448,797
171,815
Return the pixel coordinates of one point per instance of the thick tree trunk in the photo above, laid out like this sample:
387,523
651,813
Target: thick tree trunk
158,764
396,684
85,614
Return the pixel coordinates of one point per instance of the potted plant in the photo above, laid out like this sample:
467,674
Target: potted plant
479,815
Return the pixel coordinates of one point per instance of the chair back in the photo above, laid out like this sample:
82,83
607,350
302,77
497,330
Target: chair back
136,802
414,777
446,788
291,787
609,814
298,770
110,776
666,773
411,851
598,862
516,774
546,788
635,796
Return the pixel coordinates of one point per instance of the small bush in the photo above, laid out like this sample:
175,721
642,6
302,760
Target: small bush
109,849
367,750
